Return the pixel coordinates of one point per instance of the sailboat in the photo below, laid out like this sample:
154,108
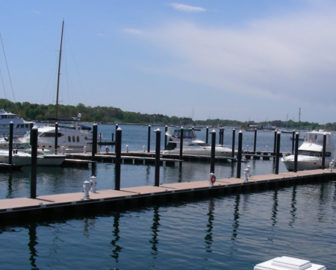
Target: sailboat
71,137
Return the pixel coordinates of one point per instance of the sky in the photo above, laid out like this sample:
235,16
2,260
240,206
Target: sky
243,60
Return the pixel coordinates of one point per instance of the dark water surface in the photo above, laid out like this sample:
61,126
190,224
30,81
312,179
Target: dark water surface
227,232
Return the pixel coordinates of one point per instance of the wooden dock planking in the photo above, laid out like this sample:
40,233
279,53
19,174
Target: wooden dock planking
18,207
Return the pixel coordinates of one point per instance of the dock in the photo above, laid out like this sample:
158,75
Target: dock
72,204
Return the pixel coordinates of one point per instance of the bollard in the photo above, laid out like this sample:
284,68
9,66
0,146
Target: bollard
207,135
277,157
86,189
33,139
117,159
213,151
93,183
324,150
212,179
148,138
181,145
239,156
233,141
246,174
255,141
331,165
94,140
10,143
112,137
165,137
296,151
157,157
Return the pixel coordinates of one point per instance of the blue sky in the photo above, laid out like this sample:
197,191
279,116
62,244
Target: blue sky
229,59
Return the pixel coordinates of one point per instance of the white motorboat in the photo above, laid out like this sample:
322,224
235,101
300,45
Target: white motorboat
288,263
70,138
20,126
191,145
310,152
21,158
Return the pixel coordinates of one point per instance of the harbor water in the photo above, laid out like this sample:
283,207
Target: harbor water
224,232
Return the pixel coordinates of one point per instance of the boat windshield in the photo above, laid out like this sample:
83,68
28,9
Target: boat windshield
188,134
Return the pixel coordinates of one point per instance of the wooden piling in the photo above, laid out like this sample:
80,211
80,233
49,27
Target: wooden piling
94,140
213,151
117,159
277,157
157,157
239,157
10,143
33,137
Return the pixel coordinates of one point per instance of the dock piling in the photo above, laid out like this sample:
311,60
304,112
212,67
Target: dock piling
10,143
207,135
296,147
255,141
277,157
148,138
181,146
275,142
233,142
239,157
324,150
157,157
33,139
293,141
213,151
165,137
221,136
56,137
94,140
117,159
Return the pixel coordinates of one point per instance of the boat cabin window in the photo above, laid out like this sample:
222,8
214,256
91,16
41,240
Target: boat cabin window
77,138
69,138
313,153
50,135
188,134
73,139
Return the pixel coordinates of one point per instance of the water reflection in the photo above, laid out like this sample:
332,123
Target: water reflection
10,186
32,246
155,231
116,248
235,225
148,167
94,169
275,207
293,207
89,224
208,237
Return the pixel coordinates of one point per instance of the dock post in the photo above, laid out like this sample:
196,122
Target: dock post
239,157
221,136
112,137
213,151
275,142
207,135
293,141
233,141
296,151
149,138
10,143
94,140
255,141
56,137
324,150
277,158
117,159
165,137
157,157
31,126
181,146
33,139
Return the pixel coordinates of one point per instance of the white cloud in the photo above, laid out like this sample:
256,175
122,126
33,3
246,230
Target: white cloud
132,31
289,58
187,8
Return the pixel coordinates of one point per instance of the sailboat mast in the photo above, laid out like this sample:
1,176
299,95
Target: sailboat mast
59,69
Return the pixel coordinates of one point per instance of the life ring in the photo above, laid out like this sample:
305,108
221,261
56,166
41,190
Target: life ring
212,178
107,149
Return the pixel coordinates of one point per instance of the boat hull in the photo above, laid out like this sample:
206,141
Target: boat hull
305,162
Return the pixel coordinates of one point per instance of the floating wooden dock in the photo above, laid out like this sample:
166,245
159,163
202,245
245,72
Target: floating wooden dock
125,158
61,205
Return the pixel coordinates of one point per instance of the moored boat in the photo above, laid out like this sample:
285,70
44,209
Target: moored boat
311,151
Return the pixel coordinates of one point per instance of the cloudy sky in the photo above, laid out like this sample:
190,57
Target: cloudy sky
230,59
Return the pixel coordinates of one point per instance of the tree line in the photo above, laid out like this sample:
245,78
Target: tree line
103,114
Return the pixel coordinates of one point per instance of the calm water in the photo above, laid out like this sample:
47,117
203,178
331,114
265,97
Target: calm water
229,232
